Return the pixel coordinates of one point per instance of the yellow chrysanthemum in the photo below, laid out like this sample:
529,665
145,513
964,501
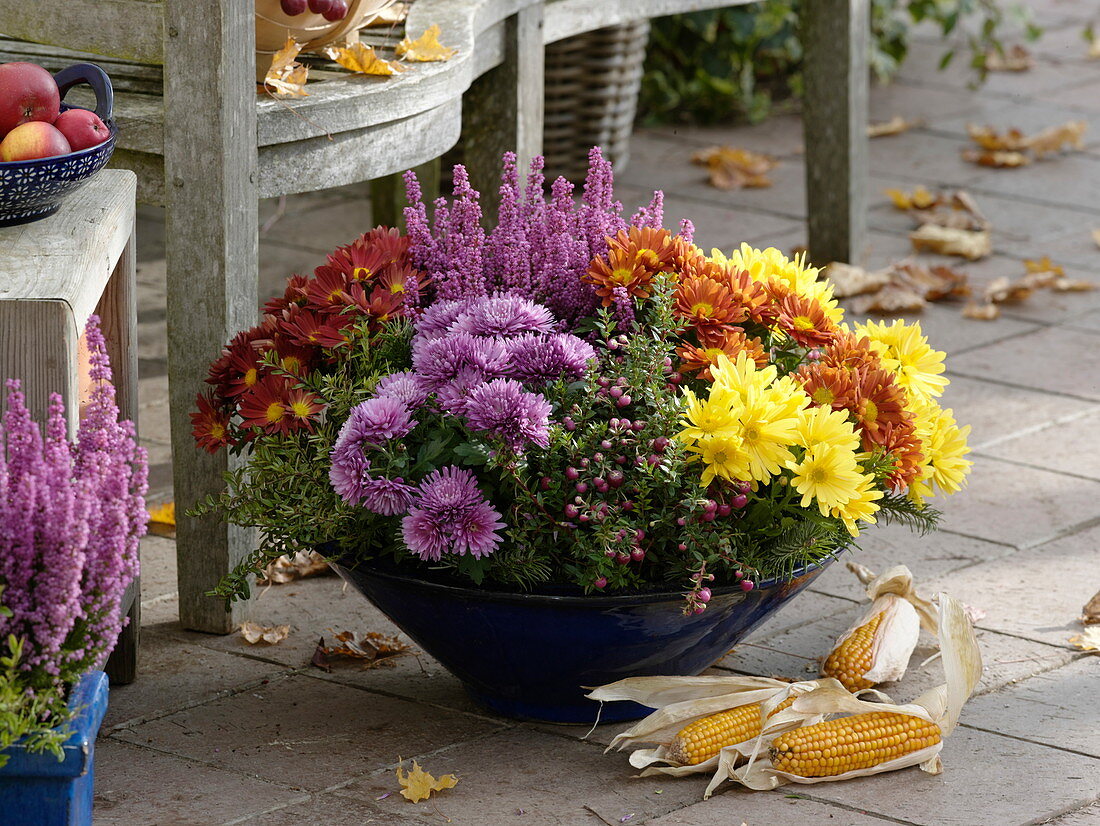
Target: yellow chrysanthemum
741,376
822,425
905,350
860,508
767,432
943,444
827,474
715,415
772,265
722,456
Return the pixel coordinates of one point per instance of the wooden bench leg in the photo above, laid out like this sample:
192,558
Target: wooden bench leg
835,75
122,664
503,109
210,168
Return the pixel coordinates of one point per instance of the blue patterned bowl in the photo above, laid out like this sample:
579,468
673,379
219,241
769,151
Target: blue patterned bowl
32,190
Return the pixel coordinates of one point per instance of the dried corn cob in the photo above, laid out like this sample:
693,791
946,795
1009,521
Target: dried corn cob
861,741
701,740
852,658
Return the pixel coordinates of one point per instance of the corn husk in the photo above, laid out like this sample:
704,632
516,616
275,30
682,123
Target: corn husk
683,700
750,764
904,613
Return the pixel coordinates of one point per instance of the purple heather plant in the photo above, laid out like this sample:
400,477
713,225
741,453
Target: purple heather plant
72,516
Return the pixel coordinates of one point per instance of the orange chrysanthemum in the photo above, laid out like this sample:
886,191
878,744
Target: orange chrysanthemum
730,343
827,386
879,401
652,247
757,304
851,352
619,269
706,306
901,442
804,320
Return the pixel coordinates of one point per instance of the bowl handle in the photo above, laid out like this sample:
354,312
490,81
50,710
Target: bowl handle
96,78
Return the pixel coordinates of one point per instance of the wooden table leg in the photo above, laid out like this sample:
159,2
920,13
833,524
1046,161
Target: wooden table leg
835,76
210,169
503,109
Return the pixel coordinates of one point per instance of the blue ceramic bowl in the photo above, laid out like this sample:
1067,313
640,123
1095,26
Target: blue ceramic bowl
32,190
529,655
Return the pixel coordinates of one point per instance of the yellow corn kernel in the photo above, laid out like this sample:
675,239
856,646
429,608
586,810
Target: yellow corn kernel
849,743
850,660
704,738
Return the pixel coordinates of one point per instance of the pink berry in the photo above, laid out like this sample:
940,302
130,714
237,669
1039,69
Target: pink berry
581,487
601,485
703,595
739,574
660,443
571,511
724,509
620,460
569,424
711,506
572,474
681,521
610,553
615,392
639,534
615,478
627,505
603,382
584,517
747,585
637,554
606,445
585,462
699,608
622,558
707,516
638,427
600,583
654,460
544,483
624,401
614,423
739,501
337,11
681,547
293,7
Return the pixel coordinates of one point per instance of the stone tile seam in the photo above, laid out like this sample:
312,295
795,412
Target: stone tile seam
1031,466
677,140
1063,533
1069,418
1020,739
787,790
1069,811
1016,385
270,810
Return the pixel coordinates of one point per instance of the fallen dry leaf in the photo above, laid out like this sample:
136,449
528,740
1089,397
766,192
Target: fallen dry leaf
289,568
1016,59
989,138
1071,285
418,785
1094,48
996,158
919,198
389,16
162,519
849,280
1056,138
981,312
286,76
932,283
1089,640
951,241
1043,264
1091,612
732,168
426,48
895,126
1096,237
254,633
1014,149
361,58
370,650
893,298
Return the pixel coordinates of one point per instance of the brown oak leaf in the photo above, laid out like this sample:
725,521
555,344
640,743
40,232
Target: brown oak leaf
732,168
951,241
253,633
895,126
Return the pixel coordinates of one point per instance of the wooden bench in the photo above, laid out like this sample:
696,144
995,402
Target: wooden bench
206,148
54,274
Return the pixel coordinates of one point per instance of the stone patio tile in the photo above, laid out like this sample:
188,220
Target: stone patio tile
1029,116
1019,506
1068,447
807,607
140,786
923,156
306,733
158,566
319,607
915,101
779,135
1085,97
926,556
550,778
1065,44
715,226
1046,708
778,808
1088,816
342,810
1036,594
975,788
1027,361
1063,180
278,262
160,470
997,412
150,233
945,326
1087,322
1073,248
322,227
174,671
881,247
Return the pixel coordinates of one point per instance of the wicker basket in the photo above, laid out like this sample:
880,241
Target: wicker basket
592,85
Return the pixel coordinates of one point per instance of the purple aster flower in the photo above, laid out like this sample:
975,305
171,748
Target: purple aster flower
452,395
504,315
437,319
542,358
388,497
404,386
451,515
369,423
439,360
502,407
347,474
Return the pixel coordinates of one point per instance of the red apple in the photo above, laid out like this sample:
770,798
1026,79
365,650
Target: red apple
82,128
33,140
27,93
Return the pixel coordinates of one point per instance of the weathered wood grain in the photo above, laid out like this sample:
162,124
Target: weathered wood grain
834,118
212,258
128,29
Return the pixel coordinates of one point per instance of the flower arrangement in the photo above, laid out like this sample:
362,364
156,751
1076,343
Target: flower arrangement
572,399
71,515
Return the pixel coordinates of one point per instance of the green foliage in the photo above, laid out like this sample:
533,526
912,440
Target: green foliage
22,714
711,66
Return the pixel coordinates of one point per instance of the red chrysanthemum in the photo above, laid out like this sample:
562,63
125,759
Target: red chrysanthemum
210,424
901,442
265,406
302,406
359,261
295,294
381,305
327,291
388,241
850,352
308,329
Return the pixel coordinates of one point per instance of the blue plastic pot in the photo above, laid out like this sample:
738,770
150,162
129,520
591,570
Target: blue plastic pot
39,789
528,655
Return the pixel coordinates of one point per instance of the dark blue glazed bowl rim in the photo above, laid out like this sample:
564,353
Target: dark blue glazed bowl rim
69,156
592,601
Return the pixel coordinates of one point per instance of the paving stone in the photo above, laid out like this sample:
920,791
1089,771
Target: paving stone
804,609
921,156
306,733
1064,180
1071,446
998,412
278,262
174,671
323,226
1027,361
778,136
920,102
736,805
550,778
1088,816
141,786
1036,594
1042,306
342,810
976,786
1019,506
158,566
1074,248
1046,708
